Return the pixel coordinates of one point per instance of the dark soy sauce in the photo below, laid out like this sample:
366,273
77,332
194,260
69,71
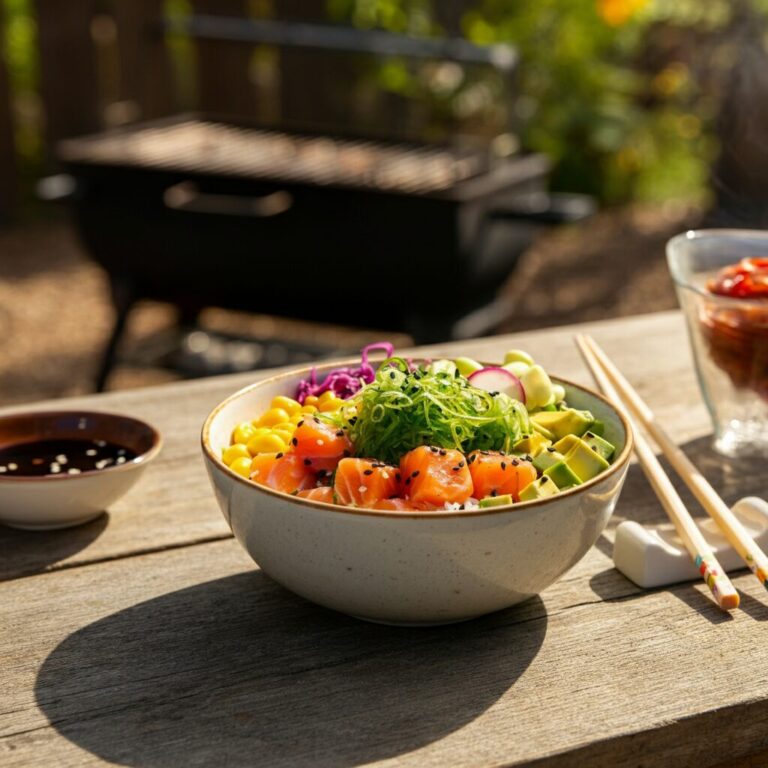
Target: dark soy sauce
61,457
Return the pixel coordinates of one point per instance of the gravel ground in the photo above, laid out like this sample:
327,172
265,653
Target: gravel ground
55,313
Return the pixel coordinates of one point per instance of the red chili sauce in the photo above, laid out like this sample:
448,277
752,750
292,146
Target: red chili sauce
738,334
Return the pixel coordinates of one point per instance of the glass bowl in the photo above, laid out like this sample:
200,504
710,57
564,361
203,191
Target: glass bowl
729,336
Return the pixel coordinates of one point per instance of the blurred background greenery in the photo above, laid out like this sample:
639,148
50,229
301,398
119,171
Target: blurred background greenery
623,95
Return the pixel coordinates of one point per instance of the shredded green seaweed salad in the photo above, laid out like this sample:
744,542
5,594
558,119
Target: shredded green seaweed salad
404,408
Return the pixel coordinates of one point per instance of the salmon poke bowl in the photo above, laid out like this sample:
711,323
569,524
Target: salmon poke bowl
416,491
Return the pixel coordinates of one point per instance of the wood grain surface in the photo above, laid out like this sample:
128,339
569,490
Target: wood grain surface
155,641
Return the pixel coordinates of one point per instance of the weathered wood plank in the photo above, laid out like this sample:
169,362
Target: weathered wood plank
173,506
192,657
68,77
8,169
145,70
223,67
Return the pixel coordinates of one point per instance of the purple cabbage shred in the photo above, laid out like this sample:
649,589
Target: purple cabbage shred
343,382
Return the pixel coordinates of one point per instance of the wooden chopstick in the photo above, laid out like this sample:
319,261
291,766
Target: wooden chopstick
706,495
715,577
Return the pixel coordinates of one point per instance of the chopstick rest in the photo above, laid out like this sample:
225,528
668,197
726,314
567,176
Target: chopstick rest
655,556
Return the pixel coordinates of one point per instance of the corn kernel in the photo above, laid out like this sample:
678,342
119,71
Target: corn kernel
297,417
331,404
284,434
288,404
270,443
288,426
236,451
310,400
273,416
309,409
243,432
327,395
242,466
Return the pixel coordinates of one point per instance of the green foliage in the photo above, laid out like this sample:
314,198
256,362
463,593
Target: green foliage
623,115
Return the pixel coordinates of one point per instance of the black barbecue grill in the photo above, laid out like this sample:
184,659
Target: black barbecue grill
401,236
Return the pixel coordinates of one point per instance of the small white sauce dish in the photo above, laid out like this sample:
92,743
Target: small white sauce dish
62,500
410,568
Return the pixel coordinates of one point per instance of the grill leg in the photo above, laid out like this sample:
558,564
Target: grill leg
123,299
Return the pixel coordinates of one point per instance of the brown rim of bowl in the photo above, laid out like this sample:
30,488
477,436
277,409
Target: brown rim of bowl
141,459
620,461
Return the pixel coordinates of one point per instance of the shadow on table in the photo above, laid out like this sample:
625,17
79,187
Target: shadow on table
23,553
731,478
238,671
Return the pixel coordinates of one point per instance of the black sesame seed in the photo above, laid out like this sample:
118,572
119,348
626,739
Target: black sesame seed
515,462
528,457
339,434
493,492
461,464
415,474
494,394
407,480
391,374
544,479
300,424
550,449
503,465
368,472
307,462
295,441
397,477
279,456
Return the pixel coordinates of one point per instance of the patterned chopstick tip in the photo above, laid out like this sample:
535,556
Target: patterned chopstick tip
723,591
756,569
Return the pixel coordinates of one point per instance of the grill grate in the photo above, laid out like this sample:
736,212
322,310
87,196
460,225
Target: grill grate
216,148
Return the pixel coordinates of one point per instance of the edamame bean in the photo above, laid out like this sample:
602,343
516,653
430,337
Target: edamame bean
538,387
517,356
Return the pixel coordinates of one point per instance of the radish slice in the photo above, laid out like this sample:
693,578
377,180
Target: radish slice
499,380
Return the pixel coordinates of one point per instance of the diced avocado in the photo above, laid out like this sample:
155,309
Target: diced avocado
600,445
495,501
531,444
566,422
467,366
584,462
566,443
546,459
538,489
597,428
543,431
561,475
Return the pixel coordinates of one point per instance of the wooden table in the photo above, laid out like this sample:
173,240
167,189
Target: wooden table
148,637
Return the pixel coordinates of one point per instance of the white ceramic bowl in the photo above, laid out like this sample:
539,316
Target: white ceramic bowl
410,568
61,501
